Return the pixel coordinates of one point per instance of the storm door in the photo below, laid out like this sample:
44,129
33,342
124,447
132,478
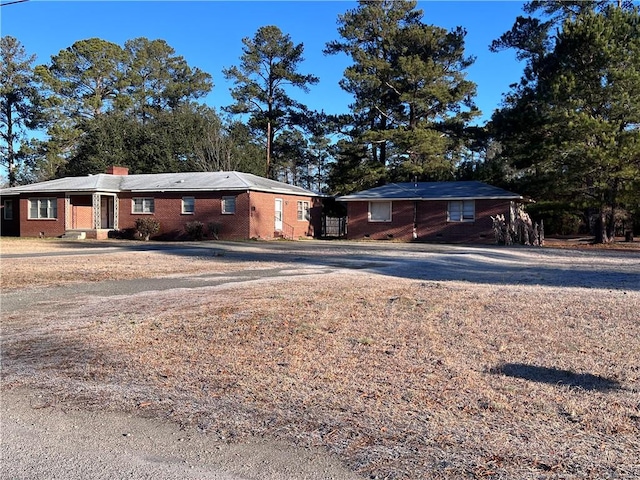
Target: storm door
106,212
278,217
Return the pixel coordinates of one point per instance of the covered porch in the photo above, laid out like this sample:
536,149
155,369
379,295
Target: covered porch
90,215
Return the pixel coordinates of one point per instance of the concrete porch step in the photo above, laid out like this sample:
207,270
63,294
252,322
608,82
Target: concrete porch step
74,235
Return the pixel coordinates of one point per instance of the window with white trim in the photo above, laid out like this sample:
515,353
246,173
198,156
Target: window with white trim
188,205
303,211
7,210
461,211
228,205
379,211
142,205
43,208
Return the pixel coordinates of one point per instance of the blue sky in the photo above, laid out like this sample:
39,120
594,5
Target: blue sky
208,34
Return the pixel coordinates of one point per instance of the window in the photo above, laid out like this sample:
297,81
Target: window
7,211
43,208
188,205
303,210
143,205
461,211
379,211
228,205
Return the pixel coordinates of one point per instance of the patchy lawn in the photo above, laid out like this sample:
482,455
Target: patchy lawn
586,243
399,378
65,265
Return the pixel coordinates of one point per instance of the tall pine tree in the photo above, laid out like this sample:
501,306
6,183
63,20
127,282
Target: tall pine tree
412,100
20,101
262,82
572,126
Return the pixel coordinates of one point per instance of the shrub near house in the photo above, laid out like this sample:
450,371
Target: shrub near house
145,227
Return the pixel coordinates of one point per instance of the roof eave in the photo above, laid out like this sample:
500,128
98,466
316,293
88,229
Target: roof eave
221,189
386,199
282,192
177,190
61,190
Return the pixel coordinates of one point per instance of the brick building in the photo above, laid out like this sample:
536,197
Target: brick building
237,205
451,212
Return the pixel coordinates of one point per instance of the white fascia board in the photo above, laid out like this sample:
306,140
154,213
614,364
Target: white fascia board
284,192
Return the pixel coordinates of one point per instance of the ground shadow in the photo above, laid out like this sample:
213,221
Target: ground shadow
556,376
478,264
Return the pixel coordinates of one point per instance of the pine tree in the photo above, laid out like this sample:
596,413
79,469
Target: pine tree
20,101
571,127
268,69
411,98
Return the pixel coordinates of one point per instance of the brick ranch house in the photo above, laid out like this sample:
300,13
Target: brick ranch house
451,212
243,206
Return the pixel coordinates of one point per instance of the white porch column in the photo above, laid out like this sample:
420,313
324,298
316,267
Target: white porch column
68,220
95,204
116,209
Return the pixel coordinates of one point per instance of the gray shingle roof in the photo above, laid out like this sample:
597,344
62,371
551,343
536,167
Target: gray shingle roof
161,182
432,191
90,183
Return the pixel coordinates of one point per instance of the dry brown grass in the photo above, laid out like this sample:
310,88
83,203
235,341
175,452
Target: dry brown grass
34,272
61,268
9,245
586,243
400,378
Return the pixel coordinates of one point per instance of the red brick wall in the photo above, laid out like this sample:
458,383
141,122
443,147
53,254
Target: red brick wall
254,216
315,226
81,211
431,222
263,214
208,209
45,227
400,227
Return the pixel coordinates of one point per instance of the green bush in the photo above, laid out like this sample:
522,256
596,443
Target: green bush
147,226
195,230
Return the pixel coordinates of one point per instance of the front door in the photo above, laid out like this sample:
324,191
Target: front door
278,226
106,211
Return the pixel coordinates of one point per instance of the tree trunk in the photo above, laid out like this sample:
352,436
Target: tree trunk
268,169
602,233
611,226
383,145
11,154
